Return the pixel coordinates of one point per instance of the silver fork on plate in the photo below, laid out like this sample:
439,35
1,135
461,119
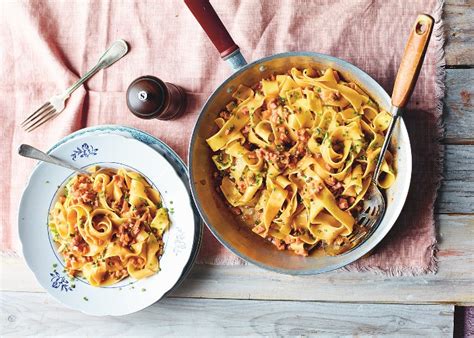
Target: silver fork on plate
56,104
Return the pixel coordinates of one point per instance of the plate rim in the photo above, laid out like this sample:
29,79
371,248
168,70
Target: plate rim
178,166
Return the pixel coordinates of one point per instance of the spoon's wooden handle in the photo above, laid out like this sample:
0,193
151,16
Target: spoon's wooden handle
412,60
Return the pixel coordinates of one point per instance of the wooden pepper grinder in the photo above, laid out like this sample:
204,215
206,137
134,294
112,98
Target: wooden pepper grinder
148,97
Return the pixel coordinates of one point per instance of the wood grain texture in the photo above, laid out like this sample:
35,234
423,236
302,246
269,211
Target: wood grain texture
452,284
32,314
456,194
458,18
459,104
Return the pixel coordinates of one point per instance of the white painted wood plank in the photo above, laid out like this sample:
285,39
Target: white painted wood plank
454,283
33,314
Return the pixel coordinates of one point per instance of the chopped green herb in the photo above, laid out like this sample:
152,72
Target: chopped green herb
86,299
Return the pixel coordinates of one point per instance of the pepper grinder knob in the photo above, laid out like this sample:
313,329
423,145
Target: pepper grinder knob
149,97
142,95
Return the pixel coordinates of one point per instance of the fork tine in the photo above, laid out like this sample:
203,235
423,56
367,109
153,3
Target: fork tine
38,112
52,114
45,118
39,118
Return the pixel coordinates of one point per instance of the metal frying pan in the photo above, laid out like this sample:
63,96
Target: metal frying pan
225,226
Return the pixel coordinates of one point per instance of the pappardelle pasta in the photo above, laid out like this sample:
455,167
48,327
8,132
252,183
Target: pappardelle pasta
295,155
109,225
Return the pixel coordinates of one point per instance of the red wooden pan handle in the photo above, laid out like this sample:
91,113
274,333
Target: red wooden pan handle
213,26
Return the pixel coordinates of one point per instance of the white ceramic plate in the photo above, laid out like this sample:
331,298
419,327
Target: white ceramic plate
107,149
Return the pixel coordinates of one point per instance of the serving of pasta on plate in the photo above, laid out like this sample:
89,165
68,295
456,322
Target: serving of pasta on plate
109,225
295,155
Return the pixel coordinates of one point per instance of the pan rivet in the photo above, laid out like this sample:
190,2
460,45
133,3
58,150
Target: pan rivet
262,68
230,89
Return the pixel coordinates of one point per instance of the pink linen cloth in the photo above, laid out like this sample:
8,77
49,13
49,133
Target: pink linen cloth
47,45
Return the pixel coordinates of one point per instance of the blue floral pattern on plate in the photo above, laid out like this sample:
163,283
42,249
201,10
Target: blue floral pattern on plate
60,282
165,151
85,150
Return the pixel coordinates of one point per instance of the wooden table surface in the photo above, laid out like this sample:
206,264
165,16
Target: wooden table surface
245,300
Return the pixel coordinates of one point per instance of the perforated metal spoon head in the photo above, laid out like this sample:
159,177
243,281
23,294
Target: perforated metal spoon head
368,219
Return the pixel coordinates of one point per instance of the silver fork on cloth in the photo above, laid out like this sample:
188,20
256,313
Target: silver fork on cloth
56,104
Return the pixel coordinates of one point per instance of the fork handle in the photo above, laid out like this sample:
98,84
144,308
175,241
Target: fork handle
114,53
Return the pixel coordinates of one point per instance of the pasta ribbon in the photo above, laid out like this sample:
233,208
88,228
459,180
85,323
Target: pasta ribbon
298,150
110,224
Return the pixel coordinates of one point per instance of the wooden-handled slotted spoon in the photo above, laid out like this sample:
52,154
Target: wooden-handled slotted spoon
374,204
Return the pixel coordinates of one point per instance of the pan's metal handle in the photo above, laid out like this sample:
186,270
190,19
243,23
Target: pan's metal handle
216,31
